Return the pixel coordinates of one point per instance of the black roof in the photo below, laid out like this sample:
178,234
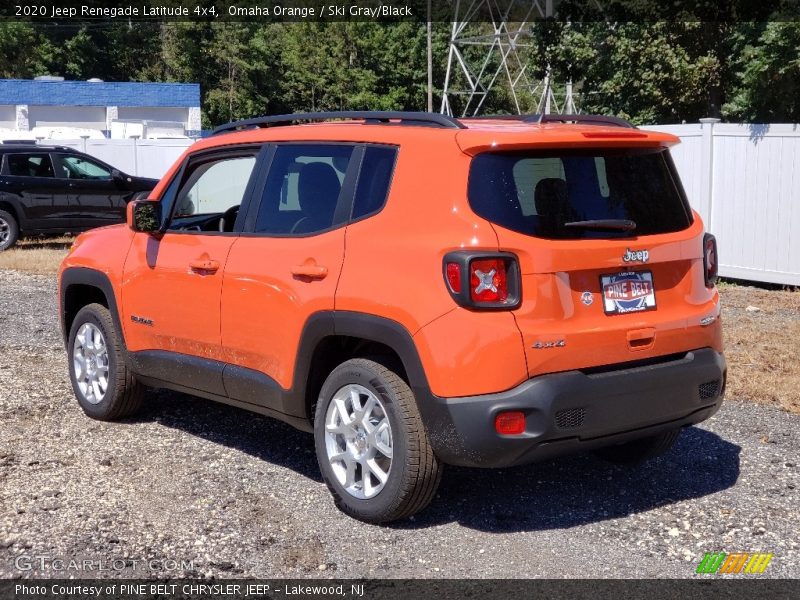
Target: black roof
28,146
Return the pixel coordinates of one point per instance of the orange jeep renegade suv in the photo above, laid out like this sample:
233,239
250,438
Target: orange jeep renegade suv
416,290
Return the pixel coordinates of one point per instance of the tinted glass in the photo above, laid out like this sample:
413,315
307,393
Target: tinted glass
77,167
537,193
373,180
303,188
30,165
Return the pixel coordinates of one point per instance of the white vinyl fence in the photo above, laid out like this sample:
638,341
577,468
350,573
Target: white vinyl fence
744,180
145,158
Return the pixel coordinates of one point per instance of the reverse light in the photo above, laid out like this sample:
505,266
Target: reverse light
483,280
511,422
710,260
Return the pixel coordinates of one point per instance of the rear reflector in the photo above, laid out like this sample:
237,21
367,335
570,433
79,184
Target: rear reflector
454,277
510,422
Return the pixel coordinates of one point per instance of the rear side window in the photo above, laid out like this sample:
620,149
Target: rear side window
538,193
303,189
373,180
30,165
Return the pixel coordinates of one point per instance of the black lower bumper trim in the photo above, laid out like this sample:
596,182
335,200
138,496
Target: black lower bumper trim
573,411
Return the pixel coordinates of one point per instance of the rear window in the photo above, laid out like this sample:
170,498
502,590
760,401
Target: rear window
537,193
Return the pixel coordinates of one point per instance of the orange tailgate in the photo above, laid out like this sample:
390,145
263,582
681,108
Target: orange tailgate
569,319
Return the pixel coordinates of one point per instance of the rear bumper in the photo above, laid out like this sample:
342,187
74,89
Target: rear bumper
577,410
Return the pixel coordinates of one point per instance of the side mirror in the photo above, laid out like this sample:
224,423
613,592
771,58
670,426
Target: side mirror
144,216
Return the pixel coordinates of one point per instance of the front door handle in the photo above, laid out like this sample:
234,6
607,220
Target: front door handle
204,265
312,271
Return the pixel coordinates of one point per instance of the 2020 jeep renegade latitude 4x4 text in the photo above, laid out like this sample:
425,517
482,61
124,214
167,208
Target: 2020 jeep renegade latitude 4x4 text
415,290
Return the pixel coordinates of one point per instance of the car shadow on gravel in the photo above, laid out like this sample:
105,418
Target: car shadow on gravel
581,489
259,436
556,494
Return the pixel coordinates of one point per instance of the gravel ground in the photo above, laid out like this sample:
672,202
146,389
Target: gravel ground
229,493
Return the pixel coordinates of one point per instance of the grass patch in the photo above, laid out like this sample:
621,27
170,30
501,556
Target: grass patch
762,345
39,255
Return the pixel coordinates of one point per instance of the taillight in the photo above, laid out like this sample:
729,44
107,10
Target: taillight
483,281
487,280
710,260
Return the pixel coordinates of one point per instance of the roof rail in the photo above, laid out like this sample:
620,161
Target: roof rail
370,117
556,118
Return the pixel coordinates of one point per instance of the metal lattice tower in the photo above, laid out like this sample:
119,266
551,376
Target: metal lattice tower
476,62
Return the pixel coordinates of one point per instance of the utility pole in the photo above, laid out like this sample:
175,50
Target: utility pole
430,61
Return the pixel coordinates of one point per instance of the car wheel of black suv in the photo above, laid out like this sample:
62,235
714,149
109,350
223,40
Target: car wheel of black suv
371,443
104,386
9,230
638,451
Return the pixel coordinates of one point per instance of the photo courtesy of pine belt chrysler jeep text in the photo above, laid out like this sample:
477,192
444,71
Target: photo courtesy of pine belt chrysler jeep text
414,289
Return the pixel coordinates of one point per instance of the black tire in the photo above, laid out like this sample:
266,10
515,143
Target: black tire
638,451
414,472
9,230
124,394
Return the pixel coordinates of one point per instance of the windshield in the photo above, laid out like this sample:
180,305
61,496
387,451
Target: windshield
539,193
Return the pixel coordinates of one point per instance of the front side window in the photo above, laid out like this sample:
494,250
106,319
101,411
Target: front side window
303,188
214,187
211,194
77,167
546,194
30,165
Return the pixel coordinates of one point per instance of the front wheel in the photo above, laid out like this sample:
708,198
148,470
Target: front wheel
371,444
103,384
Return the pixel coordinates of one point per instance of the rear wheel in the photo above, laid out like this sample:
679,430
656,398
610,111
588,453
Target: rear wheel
103,385
9,230
371,444
637,451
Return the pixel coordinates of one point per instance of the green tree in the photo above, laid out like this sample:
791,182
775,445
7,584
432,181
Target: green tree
766,88
18,50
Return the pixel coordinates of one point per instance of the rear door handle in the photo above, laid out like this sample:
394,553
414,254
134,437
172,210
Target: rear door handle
312,271
204,265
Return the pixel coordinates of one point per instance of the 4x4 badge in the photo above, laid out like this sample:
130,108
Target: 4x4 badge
554,344
641,256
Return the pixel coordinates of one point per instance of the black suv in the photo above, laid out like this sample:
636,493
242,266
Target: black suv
54,189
